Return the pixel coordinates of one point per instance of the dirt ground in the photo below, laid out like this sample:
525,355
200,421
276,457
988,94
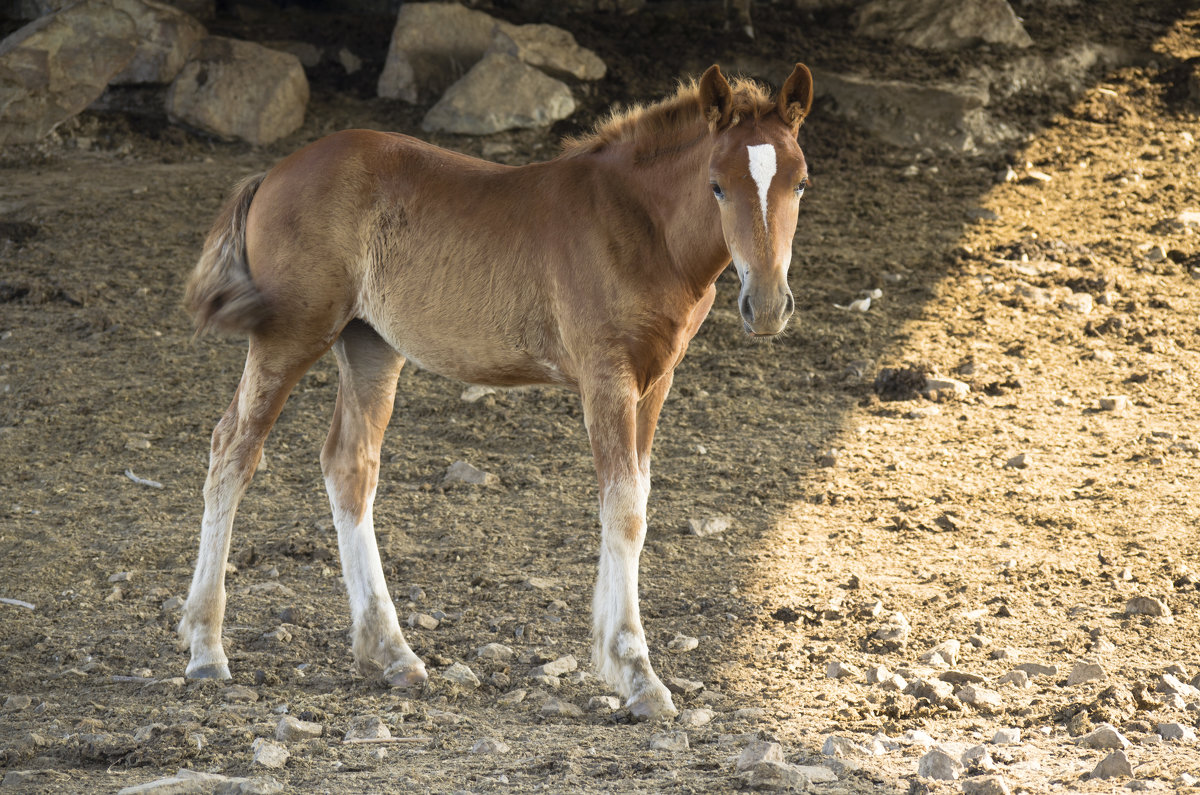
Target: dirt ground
847,507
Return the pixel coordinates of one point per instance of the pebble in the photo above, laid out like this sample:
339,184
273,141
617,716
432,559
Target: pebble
918,737
1176,731
496,652
839,670
934,691
709,525
367,727
17,703
557,708
701,716
462,472
749,713
1080,303
422,620
563,665
239,693
462,675
683,687
1114,765
981,698
1006,737
979,641
894,632
475,393
1104,737
937,764
894,684
938,386
782,776
602,703
1037,669
669,741
512,697
1188,780
1115,403
1154,253
877,674
490,745
962,678
1147,606
682,643
551,682
291,729
1019,461
978,757
986,785
1169,683
1084,672
269,754
843,747
759,751
1004,653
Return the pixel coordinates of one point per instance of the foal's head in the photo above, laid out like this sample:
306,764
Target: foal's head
758,174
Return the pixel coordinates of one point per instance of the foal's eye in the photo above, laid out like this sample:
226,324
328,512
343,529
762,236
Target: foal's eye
800,186
716,189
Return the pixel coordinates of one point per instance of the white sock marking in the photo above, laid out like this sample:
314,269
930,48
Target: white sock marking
762,169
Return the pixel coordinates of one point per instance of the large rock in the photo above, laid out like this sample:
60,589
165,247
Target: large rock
237,89
166,37
938,25
551,49
949,118
56,66
500,93
433,44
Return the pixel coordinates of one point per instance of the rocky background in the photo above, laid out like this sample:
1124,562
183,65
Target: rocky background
941,537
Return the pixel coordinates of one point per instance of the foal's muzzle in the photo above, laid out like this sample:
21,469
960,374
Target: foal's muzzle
765,316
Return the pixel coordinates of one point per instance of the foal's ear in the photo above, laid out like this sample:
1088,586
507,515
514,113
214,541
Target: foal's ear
716,97
795,100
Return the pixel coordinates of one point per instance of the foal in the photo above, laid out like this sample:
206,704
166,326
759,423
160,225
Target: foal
593,271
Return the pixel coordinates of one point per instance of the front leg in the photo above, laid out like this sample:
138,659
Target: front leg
619,644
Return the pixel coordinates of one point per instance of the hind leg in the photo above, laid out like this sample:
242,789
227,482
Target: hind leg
271,371
368,368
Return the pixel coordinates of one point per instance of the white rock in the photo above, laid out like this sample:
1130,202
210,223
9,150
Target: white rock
683,687
1146,606
1103,737
1176,731
894,632
269,754
563,665
490,745
1083,672
986,785
669,741
1115,765
682,643
1037,669
1019,461
939,765
759,751
945,653
700,716
604,704
1006,737
839,670
500,93
1169,683
1080,303
877,674
367,727
550,49
1115,403
709,525
422,620
557,708
291,729
981,698
935,386
844,747
476,393
496,652
1018,679
461,674
771,775
462,472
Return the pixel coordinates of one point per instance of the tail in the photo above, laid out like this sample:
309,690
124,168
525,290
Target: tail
220,293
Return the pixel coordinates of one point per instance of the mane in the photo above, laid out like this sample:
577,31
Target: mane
671,123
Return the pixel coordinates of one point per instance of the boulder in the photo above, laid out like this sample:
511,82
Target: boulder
500,93
551,49
938,25
434,44
56,66
166,37
949,118
237,89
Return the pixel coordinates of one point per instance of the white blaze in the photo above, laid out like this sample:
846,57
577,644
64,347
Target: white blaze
762,169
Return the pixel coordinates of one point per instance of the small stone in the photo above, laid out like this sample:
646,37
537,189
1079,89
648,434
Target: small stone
422,620
1006,737
759,751
603,704
269,754
1104,737
495,652
939,765
1147,606
683,687
894,632
773,775
978,758
1080,303
1115,403
17,703
512,698
940,386
1115,765
462,472
945,653
893,684
121,576
935,691
961,678
367,727
877,674
563,665
1188,780
291,729
1154,253
979,641
709,525
549,682
838,670
490,745
1176,731
981,698
461,675
749,713
1004,653
476,393
239,694
1037,669
682,643
259,785
1018,679
986,785
701,716
1019,461
669,741
557,708
1169,683
843,747
1084,672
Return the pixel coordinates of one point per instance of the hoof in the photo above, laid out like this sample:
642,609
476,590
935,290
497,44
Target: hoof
405,674
652,702
210,671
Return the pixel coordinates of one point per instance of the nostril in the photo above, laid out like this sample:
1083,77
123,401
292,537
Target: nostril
789,303
747,310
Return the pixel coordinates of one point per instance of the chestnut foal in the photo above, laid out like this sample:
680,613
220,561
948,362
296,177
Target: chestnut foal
593,271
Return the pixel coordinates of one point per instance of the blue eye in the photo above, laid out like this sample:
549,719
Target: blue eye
716,189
